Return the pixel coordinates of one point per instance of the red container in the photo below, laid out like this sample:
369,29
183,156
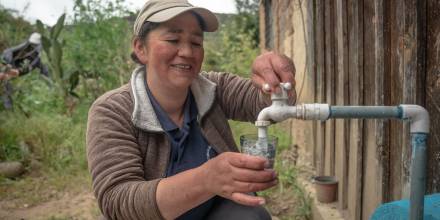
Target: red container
326,188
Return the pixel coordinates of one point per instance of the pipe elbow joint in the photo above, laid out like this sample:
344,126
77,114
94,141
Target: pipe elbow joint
277,113
418,117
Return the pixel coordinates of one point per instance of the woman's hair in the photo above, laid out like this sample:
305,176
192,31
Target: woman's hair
148,26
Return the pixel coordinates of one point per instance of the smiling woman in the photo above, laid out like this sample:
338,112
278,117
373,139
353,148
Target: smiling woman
160,147
174,54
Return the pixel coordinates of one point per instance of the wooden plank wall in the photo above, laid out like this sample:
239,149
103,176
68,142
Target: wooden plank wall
364,52
320,89
433,93
356,88
329,136
341,98
374,141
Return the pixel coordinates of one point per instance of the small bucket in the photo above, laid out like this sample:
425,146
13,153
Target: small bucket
326,188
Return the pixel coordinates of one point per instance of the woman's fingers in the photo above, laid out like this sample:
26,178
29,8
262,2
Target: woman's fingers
271,68
246,175
232,174
248,161
246,199
252,186
262,67
284,68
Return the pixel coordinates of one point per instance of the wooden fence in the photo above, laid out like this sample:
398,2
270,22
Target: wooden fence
361,52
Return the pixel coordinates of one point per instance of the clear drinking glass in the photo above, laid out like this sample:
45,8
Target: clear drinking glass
264,147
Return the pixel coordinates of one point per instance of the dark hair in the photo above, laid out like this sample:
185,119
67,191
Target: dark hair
200,20
148,26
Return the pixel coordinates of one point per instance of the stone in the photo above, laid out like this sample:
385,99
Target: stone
11,169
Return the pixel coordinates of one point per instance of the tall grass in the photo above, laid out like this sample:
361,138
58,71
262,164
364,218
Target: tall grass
55,140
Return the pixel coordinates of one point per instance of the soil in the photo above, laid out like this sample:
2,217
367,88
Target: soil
64,206
39,199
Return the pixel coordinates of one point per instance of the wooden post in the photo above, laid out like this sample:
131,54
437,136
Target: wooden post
374,133
396,85
320,84
330,86
433,93
355,45
341,77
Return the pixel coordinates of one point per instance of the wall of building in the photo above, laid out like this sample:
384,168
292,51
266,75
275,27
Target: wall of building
357,52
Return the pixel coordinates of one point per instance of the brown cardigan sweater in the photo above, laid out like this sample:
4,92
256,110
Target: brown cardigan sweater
127,149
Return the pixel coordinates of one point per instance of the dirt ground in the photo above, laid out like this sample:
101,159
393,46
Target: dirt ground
37,197
81,207
68,206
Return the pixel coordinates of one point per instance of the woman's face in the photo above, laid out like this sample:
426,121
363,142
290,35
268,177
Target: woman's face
174,52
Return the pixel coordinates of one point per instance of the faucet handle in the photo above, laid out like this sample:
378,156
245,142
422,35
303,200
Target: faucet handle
286,86
283,86
282,96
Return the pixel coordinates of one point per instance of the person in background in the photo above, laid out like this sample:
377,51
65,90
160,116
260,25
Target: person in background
160,147
18,61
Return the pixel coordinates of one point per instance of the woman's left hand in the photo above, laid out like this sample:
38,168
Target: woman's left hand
271,68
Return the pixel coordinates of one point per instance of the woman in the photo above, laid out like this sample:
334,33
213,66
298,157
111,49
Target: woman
160,147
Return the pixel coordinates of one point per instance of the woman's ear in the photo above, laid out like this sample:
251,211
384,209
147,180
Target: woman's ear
140,50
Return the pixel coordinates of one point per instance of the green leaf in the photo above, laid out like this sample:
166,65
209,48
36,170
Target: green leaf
40,27
74,94
56,30
58,52
73,80
46,44
57,55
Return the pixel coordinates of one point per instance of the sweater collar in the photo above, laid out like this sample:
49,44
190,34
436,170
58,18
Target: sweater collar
144,116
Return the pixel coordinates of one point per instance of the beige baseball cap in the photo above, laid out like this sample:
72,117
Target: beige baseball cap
164,10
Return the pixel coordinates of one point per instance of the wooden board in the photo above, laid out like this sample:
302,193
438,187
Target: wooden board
374,133
433,94
341,87
413,74
355,42
319,131
330,86
397,66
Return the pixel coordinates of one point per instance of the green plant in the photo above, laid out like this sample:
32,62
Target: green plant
237,43
14,28
53,47
98,46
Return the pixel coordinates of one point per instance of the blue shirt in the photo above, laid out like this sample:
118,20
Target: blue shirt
189,149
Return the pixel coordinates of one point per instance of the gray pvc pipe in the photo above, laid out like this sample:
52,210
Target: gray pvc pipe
417,116
365,112
418,175
418,143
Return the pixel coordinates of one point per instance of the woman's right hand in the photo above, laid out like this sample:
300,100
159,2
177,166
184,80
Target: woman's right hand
234,175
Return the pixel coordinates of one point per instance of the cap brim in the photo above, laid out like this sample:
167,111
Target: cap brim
211,22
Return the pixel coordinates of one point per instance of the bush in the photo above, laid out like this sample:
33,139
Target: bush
54,140
238,41
98,46
14,28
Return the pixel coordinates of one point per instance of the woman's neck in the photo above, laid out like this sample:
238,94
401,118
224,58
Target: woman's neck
172,101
